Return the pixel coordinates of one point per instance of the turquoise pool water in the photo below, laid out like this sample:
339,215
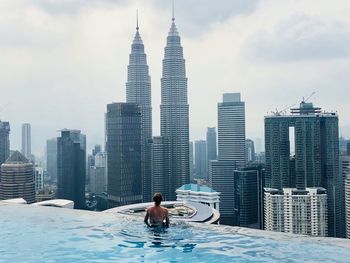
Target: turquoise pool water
45,234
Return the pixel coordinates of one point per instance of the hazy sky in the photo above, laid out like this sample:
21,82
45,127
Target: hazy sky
62,61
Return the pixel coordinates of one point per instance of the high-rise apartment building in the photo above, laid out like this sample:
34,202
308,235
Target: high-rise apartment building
51,159
26,140
211,144
201,162
17,178
296,211
347,205
4,141
314,135
71,167
174,115
138,90
231,129
123,146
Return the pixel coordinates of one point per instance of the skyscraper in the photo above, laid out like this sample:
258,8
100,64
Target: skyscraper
201,162
174,115
71,167
248,197
26,140
316,160
123,146
211,144
4,141
138,90
347,205
17,178
191,162
51,159
231,129
250,150
231,153
158,177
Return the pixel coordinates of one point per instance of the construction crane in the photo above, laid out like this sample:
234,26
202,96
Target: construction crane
309,97
4,107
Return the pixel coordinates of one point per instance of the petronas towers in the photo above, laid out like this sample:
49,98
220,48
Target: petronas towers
172,165
138,90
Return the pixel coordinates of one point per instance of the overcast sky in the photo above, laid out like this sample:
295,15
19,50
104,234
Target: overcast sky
62,61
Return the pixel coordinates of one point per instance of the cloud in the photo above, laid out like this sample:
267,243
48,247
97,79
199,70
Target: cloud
301,37
198,15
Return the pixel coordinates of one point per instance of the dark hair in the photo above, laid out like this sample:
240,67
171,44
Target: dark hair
157,198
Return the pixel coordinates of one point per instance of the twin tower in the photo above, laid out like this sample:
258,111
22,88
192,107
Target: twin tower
164,167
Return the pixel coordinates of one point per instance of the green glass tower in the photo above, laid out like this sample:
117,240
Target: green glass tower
315,161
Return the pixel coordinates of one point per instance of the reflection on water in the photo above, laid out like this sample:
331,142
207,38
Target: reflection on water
59,235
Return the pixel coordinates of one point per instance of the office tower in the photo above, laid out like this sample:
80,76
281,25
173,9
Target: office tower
39,178
158,177
4,141
71,167
221,179
248,197
138,90
258,145
17,178
211,144
191,162
316,160
347,205
26,141
51,159
97,149
174,114
231,153
296,211
201,162
124,154
98,173
199,194
250,150
231,129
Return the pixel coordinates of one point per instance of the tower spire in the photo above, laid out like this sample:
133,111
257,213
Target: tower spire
173,12
137,19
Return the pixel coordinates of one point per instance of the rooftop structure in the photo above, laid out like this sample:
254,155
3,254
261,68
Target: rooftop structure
199,194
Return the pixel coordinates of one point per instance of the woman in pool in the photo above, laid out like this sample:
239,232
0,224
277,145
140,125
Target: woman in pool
157,215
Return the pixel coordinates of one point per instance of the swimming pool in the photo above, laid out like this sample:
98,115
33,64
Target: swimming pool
46,234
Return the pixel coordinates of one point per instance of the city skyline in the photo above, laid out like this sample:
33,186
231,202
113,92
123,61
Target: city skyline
97,48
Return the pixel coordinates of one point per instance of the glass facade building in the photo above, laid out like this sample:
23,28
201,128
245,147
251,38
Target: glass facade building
138,90
174,115
123,146
314,137
71,167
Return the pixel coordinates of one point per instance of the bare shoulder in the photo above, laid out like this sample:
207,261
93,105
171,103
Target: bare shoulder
149,209
165,209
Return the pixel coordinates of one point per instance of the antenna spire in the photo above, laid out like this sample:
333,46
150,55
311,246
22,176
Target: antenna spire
173,12
137,19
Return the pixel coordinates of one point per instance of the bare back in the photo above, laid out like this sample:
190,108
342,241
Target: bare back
157,215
